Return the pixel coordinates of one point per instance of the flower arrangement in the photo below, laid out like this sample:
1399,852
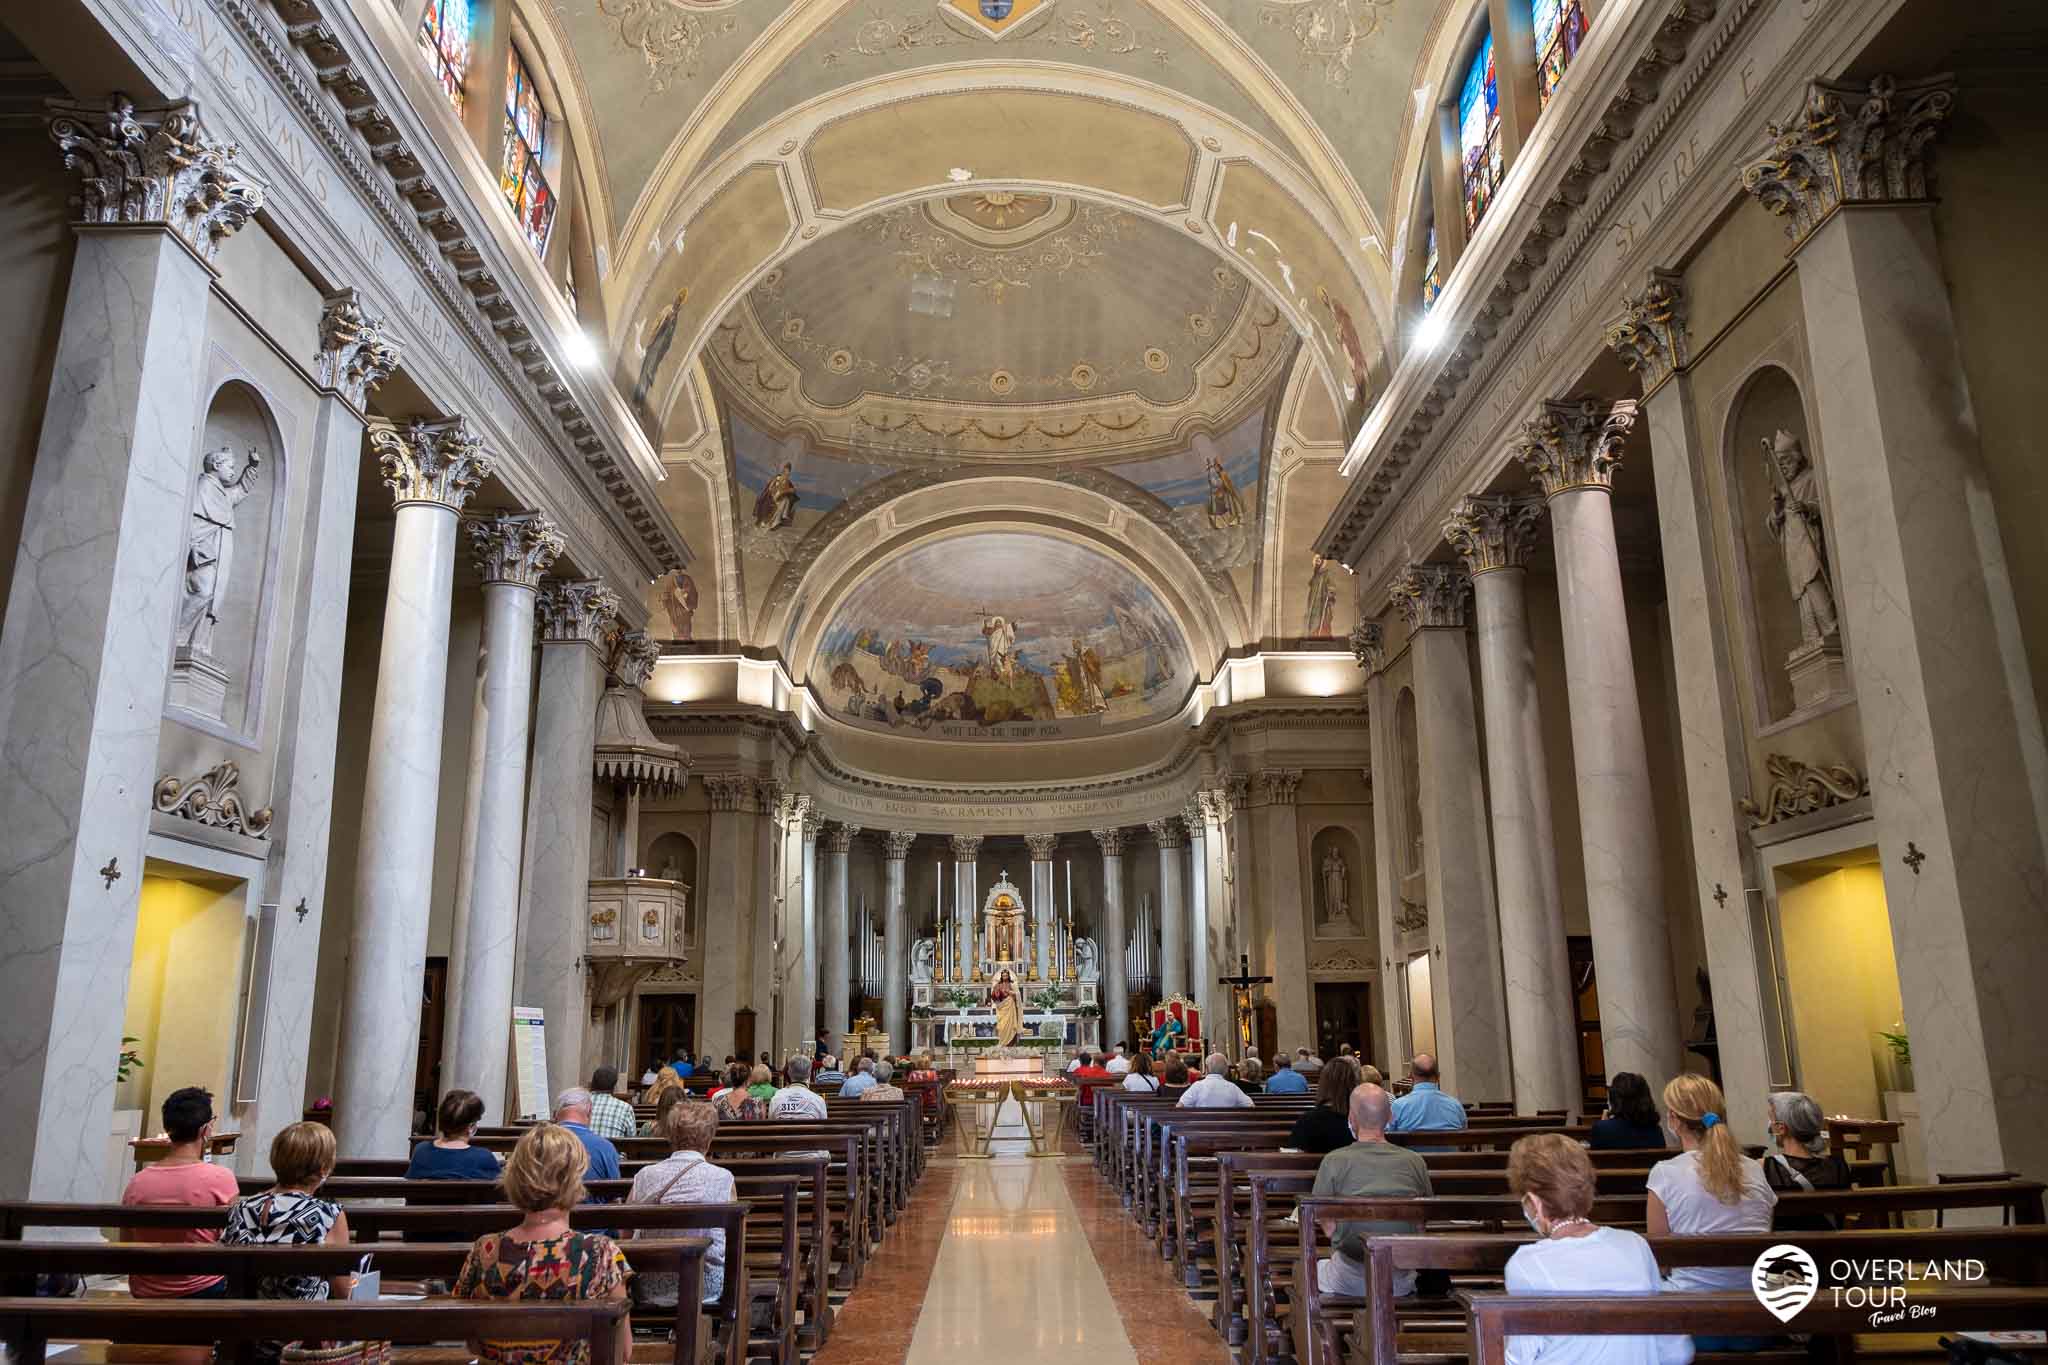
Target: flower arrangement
923,1012
1089,1011
959,998
1047,999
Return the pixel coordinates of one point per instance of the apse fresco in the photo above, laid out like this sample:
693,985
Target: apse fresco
1000,635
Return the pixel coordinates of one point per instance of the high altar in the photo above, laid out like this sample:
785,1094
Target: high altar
955,986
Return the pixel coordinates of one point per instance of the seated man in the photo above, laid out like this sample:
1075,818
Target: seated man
1307,1062
860,1082
572,1111
881,1089
1426,1108
1167,1037
828,1070
610,1116
797,1100
1119,1064
1215,1090
1285,1080
184,1176
1369,1166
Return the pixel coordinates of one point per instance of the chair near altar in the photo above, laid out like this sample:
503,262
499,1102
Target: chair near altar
1190,1016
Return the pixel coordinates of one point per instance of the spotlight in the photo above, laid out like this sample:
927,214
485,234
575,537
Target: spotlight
582,351
1429,332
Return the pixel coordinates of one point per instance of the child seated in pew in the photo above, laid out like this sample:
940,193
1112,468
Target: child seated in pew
184,1176
543,1258
1553,1177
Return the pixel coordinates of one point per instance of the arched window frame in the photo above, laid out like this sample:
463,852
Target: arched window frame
523,156
1480,155
1560,26
444,39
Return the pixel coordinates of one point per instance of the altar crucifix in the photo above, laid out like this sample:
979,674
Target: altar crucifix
1241,987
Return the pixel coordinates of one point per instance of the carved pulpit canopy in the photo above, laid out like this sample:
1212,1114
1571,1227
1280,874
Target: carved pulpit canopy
627,751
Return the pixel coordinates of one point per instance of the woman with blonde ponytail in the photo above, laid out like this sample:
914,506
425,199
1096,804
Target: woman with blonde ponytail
1710,1186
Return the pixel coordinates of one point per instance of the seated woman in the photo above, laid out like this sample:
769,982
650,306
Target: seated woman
1553,1177
1802,1161
669,1100
1709,1187
742,1099
449,1156
1327,1126
290,1213
665,1080
1251,1076
761,1082
685,1176
1174,1079
542,1258
1139,1079
1631,1117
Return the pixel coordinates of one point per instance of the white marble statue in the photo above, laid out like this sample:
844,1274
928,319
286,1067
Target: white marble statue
1336,889
209,559
1795,523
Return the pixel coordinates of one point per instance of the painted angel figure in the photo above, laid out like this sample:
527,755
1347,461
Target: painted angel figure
210,556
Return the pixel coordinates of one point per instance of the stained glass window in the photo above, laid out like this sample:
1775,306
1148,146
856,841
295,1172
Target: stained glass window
522,176
444,42
1560,24
1479,133
1432,271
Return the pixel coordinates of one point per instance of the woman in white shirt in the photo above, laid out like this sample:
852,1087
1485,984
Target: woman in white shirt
1140,1078
1709,1187
1553,1177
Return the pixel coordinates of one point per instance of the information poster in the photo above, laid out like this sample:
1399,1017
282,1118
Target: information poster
530,1052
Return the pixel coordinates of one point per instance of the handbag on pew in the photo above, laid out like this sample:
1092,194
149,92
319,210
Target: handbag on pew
369,1284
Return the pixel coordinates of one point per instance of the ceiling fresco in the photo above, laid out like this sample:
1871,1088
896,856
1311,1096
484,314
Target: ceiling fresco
993,635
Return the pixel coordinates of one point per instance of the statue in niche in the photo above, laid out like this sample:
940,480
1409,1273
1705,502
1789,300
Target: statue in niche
209,559
671,869
1337,892
1795,523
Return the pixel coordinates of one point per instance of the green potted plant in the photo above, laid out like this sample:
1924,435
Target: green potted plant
1902,1055
131,1060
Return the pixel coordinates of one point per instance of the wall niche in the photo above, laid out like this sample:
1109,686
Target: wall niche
1341,891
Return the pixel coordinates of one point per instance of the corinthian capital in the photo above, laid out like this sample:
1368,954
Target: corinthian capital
636,656
1433,596
577,611
727,790
355,353
1041,846
1280,785
896,843
1112,841
437,462
1577,444
514,547
1169,832
840,839
1850,144
1650,337
1369,646
1496,532
966,847
154,166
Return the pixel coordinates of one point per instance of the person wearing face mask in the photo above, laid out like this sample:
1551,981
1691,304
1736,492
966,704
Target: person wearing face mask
1553,1177
1802,1161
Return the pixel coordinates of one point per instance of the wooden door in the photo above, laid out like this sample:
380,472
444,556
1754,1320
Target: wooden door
668,1029
1586,1008
426,1074
1343,1015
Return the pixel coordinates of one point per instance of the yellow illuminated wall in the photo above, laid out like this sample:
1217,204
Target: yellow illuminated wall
1421,1008
1843,979
183,991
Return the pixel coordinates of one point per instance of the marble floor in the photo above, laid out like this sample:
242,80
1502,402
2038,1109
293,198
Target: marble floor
1015,1258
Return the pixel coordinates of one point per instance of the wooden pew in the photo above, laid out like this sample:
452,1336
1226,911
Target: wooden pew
1496,1317
32,1324
243,1266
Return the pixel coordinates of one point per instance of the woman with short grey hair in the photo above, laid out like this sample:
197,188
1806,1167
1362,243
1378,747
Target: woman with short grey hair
1802,1160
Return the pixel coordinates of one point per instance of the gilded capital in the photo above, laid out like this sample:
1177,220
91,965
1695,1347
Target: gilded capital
1494,531
438,462
1850,143
634,658
514,547
1168,833
1650,336
1433,596
896,843
1112,841
153,165
577,611
1574,444
1369,646
356,354
1041,846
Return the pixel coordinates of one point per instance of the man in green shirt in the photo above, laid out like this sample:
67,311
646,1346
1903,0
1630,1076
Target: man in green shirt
1369,1166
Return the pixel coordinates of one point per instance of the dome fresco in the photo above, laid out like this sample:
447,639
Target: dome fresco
1002,635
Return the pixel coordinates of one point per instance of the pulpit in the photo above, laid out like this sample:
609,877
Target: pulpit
636,926
1190,1015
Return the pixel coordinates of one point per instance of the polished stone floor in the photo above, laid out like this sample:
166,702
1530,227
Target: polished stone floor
1018,1259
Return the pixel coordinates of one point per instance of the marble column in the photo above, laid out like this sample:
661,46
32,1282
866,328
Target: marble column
757,930
554,893
1953,736
86,641
1043,906
1171,836
1651,338
1464,933
1282,903
799,959
355,356
813,824
720,910
896,939
1368,645
1204,886
1494,535
966,907
512,552
432,468
1111,940
837,932
1572,450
